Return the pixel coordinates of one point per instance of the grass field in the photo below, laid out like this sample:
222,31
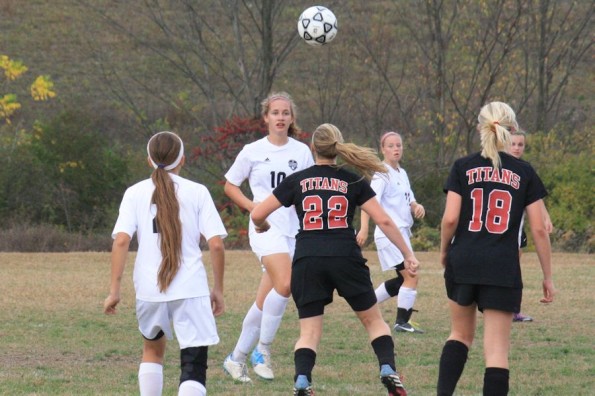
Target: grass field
55,340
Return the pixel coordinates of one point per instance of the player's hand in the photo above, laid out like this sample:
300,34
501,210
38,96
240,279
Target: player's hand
412,265
443,259
549,227
264,227
109,305
217,303
418,211
361,238
548,292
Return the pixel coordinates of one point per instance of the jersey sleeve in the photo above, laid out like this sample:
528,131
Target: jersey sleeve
240,169
127,221
284,192
535,188
378,184
366,192
453,183
210,223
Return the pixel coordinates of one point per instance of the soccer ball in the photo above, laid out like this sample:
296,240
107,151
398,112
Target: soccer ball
317,26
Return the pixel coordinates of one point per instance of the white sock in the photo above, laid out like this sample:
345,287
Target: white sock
272,314
381,293
249,335
406,297
192,388
150,379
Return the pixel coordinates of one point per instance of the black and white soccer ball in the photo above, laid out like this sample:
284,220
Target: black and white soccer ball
317,26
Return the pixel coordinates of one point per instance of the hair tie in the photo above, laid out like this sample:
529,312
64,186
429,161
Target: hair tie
161,166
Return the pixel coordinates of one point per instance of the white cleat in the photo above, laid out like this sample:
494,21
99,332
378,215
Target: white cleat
237,371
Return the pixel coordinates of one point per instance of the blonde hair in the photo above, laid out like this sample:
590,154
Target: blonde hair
327,142
265,105
496,121
165,149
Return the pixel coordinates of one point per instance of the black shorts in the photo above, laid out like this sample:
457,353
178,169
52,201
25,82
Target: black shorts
314,280
507,299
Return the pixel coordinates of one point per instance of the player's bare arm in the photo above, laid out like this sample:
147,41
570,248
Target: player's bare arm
261,211
217,253
450,221
118,262
542,246
362,235
235,193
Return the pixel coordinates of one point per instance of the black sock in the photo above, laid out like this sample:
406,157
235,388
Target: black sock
304,359
495,381
384,348
452,363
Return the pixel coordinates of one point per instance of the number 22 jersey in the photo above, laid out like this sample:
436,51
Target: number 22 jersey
485,247
325,199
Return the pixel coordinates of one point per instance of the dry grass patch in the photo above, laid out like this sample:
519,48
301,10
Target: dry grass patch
55,339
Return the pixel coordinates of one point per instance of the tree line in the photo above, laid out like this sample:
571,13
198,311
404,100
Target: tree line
423,68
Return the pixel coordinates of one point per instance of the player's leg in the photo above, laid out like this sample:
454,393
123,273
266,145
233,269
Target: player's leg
383,346
463,320
278,268
498,305
150,372
496,344
405,301
389,288
311,316
235,362
154,326
193,364
195,329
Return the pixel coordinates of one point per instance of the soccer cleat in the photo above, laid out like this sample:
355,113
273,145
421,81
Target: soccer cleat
391,381
404,324
519,317
238,371
302,387
261,361
409,327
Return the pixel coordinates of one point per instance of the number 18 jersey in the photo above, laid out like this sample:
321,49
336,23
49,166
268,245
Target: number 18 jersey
485,247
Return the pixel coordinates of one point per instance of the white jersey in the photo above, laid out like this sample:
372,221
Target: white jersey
265,165
198,216
394,193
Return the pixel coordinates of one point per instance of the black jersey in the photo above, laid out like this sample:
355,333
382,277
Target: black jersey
325,198
485,248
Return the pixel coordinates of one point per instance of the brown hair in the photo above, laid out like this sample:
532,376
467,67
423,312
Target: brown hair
265,105
327,142
164,149
496,121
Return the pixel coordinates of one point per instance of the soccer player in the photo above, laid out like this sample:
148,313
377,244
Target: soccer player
395,195
169,214
327,256
265,163
487,193
517,149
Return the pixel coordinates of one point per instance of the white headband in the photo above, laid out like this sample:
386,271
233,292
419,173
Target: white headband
173,164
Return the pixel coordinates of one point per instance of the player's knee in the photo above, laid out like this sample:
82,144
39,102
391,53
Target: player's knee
393,285
194,364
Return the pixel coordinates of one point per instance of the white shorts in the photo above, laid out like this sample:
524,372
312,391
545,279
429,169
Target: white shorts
192,318
271,242
389,255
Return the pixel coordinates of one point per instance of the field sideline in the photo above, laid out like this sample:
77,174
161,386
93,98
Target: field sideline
55,340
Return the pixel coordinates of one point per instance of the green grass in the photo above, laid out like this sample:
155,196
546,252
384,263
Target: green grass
55,340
